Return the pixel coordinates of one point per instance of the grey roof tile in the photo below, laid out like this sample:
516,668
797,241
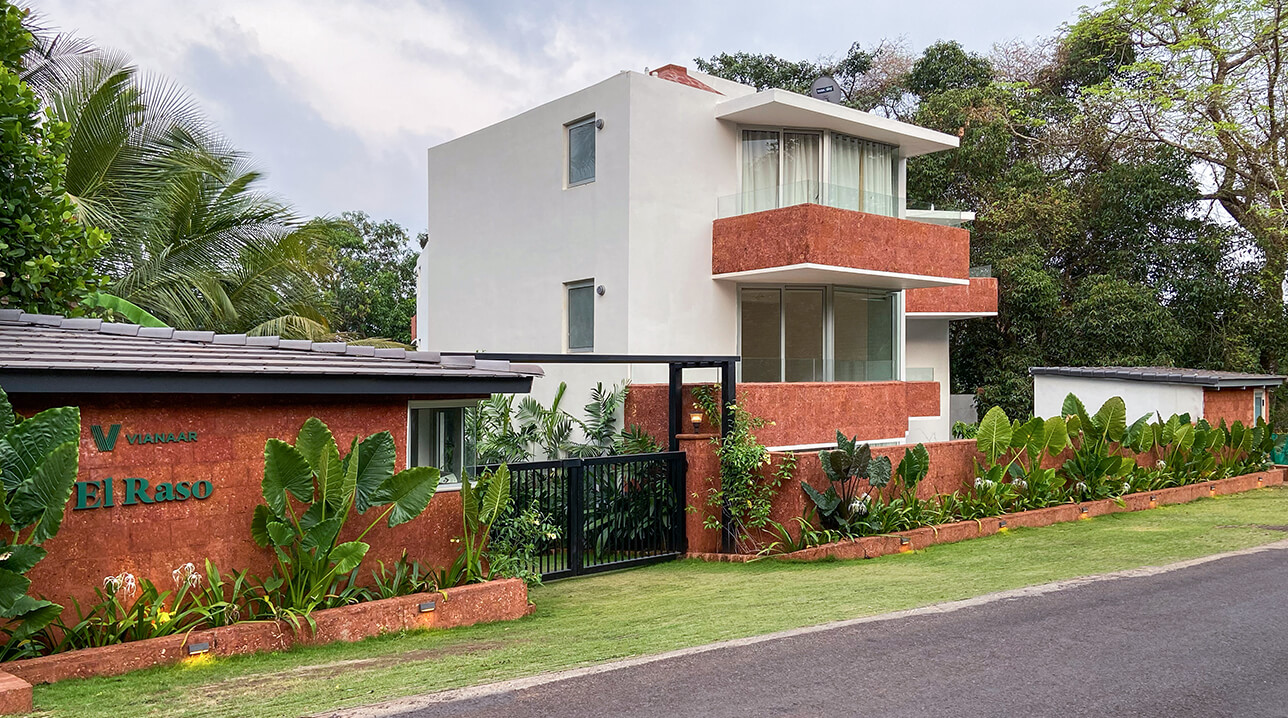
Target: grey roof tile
156,332
1163,375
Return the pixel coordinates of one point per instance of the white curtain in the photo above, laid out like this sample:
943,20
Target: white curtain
759,171
801,166
846,170
878,179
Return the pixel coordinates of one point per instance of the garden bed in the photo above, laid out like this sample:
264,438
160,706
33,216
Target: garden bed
873,546
501,600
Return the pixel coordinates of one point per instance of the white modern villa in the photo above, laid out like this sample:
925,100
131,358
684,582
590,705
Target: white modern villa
672,212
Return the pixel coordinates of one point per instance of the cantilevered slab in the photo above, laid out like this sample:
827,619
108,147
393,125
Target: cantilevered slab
780,108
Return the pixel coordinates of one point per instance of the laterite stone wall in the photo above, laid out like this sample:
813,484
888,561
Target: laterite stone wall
1229,404
151,540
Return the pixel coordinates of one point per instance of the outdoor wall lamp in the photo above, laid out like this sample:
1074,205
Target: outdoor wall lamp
696,419
426,607
195,649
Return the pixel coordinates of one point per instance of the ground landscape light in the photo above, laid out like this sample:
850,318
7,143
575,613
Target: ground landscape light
426,607
195,649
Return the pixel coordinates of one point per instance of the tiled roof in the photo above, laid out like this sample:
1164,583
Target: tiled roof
680,74
1164,375
54,345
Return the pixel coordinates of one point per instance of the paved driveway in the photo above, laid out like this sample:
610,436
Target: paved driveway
1205,640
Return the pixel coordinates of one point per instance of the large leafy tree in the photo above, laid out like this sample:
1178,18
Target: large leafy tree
373,287
47,256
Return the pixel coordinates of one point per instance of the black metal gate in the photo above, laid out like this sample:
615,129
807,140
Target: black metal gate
615,511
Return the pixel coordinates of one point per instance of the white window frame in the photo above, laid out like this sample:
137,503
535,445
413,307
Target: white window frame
1259,397
412,406
568,128
829,327
567,315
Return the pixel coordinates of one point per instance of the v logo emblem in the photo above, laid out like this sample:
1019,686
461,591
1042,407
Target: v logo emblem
108,442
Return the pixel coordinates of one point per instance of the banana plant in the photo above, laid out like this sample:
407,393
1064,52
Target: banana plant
841,509
330,489
39,459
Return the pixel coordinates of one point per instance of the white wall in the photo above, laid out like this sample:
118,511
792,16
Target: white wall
926,346
1141,397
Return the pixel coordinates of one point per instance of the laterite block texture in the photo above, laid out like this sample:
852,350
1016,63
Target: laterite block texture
15,695
814,234
151,540
479,603
980,296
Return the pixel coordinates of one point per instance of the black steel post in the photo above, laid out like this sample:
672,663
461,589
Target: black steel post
574,471
675,397
727,398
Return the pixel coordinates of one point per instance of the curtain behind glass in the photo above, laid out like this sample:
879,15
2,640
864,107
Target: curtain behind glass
803,334
878,179
762,327
801,165
759,170
863,335
845,171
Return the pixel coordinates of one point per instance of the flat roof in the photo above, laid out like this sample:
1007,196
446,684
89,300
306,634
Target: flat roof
1164,375
780,108
42,353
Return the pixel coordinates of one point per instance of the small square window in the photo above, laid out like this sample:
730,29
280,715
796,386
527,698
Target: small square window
438,440
581,152
581,316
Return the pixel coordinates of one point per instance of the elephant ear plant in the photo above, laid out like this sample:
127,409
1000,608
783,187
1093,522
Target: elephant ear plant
839,507
1012,476
331,489
39,458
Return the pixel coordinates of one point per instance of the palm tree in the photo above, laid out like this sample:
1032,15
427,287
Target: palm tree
196,244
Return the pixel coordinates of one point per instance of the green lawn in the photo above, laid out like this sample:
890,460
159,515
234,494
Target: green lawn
669,606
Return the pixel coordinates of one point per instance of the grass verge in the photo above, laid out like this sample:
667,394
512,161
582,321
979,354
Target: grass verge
665,607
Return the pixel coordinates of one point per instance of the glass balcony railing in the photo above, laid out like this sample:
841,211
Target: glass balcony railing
791,194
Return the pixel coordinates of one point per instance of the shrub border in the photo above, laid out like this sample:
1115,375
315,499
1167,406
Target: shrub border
501,600
920,538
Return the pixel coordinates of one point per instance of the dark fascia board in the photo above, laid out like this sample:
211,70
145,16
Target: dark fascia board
686,360
1204,381
109,382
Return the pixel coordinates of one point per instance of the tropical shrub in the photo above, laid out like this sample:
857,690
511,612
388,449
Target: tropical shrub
39,458
841,507
483,503
747,483
1012,476
310,562
1099,467
519,540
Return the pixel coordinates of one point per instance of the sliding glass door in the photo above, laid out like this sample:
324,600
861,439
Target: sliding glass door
861,175
817,334
780,168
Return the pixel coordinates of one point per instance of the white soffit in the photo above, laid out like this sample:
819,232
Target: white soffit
810,273
780,108
949,315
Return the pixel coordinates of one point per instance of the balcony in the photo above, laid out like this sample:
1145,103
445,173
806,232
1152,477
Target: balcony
817,244
977,299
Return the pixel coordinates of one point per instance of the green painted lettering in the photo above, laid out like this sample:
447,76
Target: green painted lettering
164,492
107,493
192,436
132,438
202,489
182,490
87,494
169,438
183,436
136,490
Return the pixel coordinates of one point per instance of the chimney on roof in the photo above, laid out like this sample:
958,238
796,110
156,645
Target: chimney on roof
680,74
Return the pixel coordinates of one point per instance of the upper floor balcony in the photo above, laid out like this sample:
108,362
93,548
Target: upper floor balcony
821,243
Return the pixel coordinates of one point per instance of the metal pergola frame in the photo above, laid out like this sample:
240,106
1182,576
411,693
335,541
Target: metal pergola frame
727,364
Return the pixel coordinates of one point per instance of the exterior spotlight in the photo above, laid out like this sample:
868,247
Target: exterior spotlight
696,419
904,544
195,649
1001,524
427,606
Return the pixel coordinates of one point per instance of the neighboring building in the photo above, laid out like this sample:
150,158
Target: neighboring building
677,213
173,428
1201,393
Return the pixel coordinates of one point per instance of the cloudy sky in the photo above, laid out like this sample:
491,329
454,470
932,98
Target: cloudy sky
338,101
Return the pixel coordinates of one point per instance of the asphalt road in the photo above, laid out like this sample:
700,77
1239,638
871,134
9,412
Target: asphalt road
1206,640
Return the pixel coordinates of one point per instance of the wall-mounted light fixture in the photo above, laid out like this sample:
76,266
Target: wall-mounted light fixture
195,649
696,419
600,290
599,124
427,606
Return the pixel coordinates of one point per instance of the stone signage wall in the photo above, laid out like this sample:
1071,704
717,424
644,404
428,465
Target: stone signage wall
148,501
